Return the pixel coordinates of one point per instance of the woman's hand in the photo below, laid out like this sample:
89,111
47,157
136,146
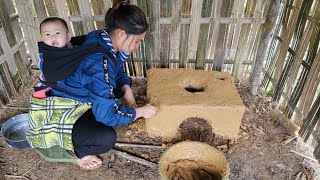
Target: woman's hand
146,111
128,95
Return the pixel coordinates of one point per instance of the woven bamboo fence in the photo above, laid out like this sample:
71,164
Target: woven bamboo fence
202,34
293,65
13,53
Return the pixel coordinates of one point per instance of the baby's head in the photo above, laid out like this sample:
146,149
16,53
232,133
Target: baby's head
54,32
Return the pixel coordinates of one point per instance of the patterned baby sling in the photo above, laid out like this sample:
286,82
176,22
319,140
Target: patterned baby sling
51,121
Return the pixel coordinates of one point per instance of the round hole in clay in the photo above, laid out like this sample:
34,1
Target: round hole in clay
193,160
194,89
195,129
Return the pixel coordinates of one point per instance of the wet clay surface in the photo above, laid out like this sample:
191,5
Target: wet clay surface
187,169
259,152
193,160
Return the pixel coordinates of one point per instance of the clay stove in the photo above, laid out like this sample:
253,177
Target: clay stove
183,93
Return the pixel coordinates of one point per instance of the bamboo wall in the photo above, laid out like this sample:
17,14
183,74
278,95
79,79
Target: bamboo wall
203,34
293,65
13,53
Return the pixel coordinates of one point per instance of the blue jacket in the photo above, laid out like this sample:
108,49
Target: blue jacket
89,82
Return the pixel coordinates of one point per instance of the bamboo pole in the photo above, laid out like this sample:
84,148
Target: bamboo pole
311,56
175,31
62,10
310,121
302,46
249,38
203,39
99,8
8,85
214,26
20,45
194,30
238,10
264,46
287,35
40,10
51,7
87,18
165,12
273,51
310,89
224,39
74,10
183,50
7,39
155,30
29,27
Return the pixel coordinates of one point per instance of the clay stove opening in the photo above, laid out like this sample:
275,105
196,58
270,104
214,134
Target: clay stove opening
195,129
194,89
222,78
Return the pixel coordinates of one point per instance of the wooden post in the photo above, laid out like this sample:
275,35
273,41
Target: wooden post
264,45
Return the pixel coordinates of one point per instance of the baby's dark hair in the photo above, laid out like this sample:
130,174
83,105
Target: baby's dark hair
54,19
127,17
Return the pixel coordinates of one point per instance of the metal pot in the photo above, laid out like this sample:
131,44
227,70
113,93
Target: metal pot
14,131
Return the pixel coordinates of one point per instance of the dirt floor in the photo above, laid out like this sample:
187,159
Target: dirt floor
264,150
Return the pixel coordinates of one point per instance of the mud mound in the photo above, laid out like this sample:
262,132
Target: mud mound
195,129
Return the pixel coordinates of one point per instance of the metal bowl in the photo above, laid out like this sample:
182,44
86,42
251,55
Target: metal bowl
14,131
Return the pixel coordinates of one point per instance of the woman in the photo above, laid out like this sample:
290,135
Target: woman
94,83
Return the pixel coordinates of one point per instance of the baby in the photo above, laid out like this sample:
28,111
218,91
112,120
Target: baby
54,32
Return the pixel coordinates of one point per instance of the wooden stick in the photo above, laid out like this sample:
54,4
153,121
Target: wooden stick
139,145
136,159
12,107
31,168
287,141
300,154
12,176
23,176
256,128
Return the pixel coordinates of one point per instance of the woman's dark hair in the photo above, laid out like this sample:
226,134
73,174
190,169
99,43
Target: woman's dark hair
54,19
127,17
